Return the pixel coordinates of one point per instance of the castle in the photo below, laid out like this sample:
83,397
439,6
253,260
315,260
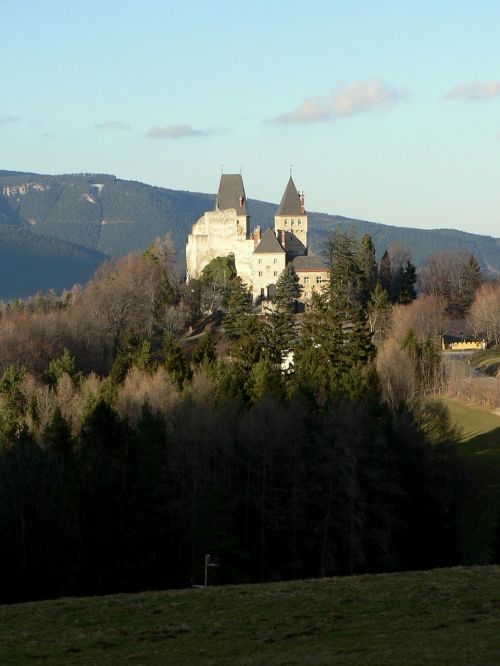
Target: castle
260,256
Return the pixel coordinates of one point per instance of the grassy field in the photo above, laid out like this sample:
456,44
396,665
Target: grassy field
480,447
488,361
447,616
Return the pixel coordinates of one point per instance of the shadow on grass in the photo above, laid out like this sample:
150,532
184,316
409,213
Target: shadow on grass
480,442
480,515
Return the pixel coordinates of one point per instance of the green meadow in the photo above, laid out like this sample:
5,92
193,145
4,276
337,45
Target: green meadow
479,448
439,617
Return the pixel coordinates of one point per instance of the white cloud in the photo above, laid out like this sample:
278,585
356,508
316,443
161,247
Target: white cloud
4,120
113,125
472,92
175,132
349,100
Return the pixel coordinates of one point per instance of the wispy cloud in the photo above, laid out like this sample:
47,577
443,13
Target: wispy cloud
348,100
113,125
175,132
475,91
5,120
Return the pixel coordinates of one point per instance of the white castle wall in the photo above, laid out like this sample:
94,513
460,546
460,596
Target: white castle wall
217,234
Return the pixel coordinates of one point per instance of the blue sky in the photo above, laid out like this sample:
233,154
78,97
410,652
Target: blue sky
388,110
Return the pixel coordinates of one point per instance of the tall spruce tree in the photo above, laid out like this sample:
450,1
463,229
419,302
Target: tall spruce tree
175,361
385,274
239,307
345,273
405,283
471,279
279,330
368,266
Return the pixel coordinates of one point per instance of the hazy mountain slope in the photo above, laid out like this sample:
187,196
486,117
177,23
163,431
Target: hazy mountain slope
31,263
420,242
116,216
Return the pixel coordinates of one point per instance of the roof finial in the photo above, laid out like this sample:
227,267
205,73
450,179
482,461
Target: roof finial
291,167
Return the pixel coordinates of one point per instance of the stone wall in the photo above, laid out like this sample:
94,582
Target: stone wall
218,234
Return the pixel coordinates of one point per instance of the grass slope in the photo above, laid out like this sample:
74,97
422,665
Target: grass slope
487,360
447,616
480,448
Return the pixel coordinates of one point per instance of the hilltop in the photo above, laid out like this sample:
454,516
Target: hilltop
446,616
114,217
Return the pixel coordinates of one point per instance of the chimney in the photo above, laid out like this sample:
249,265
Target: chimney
283,237
256,236
302,209
241,201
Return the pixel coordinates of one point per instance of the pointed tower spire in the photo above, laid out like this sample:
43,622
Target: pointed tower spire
290,221
290,203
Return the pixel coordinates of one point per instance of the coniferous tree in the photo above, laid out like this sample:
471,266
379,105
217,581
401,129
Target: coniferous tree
368,266
385,274
239,307
345,273
205,349
471,279
64,364
288,288
265,379
405,284
132,351
175,361
279,330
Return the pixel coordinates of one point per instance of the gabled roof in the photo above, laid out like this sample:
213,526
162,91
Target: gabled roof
268,243
290,203
230,190
310,262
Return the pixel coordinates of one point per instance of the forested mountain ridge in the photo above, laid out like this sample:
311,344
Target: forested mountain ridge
30,262
115,217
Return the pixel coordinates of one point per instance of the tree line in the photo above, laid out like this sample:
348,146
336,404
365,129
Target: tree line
124,460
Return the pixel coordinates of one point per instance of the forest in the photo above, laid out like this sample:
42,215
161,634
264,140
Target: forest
145,423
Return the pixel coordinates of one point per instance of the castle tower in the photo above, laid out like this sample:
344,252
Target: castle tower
222,231
231,196
291,218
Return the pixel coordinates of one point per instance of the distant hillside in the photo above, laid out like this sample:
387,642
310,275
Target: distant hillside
31,263
114,216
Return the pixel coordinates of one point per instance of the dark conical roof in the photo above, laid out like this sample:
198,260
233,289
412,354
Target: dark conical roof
268,243
231,193
290,203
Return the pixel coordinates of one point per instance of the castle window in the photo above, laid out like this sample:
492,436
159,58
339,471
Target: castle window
292,222
275,273
286,221
318,279
260,261
275,261
260,273
306,279
299,222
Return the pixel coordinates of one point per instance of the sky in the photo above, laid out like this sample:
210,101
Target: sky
388,111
